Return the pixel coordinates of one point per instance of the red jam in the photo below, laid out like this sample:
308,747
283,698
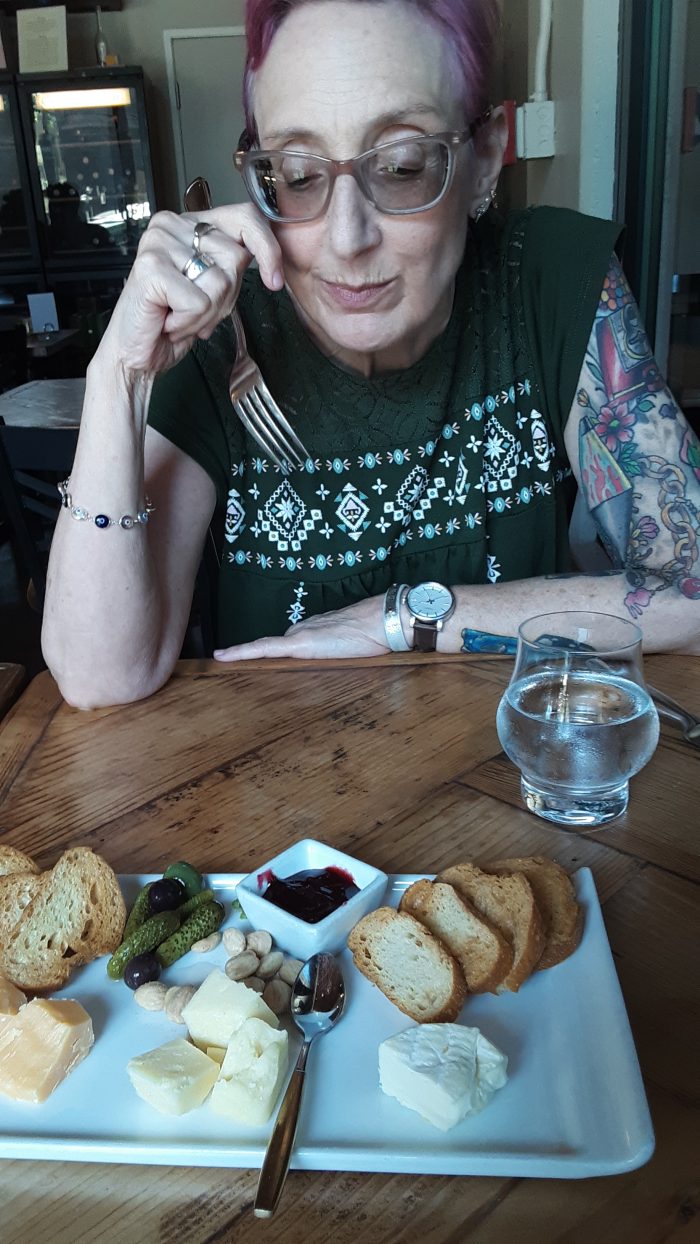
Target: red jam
311,894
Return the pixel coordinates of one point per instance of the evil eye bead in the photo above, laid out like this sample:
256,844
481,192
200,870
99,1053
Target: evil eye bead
101,520
127,522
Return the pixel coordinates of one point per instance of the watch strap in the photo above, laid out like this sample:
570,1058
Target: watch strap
425,634
393,630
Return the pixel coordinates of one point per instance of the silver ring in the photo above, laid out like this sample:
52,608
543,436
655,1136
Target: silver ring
201,229
196,265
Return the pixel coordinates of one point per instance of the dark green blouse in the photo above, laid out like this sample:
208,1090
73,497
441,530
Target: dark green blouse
453,469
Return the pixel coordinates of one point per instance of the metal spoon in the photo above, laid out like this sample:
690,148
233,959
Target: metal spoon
674,712
318,998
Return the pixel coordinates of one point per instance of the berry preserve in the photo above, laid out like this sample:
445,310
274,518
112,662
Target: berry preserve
311,894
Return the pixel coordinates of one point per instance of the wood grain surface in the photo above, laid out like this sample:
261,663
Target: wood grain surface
397,762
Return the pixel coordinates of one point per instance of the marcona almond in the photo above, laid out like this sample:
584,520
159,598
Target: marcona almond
205,944
254,982
176,1000
260,941
277,994
151,996
234,942
290,970
241,966
270,964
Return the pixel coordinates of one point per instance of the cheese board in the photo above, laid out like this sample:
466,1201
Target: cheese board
573,1107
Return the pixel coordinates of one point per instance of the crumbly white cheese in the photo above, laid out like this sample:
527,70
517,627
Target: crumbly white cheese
218,1009
252,1072
173,1078
442,1071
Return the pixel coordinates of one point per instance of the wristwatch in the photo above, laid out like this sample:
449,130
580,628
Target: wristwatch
429,606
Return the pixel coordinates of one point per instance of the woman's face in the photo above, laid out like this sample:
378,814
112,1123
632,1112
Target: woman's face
341,77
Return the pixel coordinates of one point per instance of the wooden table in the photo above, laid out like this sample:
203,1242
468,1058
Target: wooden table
397,762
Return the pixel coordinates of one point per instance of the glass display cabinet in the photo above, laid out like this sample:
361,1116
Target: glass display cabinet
86,139
20,256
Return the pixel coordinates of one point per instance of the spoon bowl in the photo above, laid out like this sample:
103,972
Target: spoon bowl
318,999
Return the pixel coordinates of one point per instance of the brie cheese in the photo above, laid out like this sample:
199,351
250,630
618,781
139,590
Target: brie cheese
443,1071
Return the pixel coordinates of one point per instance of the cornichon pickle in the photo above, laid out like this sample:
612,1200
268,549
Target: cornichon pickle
148,935
139,912
193,904
205,920
184,872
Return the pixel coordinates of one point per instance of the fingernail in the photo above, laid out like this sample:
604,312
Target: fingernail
277,279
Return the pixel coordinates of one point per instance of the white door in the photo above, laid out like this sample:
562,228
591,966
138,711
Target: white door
205,73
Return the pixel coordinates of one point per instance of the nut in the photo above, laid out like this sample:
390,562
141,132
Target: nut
254,982
151,996
234,942
290,970
205,944
241,966
260,941
270,964
176,1000
277,994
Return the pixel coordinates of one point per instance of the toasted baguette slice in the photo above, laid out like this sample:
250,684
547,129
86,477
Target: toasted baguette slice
403,959
509,903
12,860
483,953
77,914
16,893
556,898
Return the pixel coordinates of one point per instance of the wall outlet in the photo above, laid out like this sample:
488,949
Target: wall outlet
534,130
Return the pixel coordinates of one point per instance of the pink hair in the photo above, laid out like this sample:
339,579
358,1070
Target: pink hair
470,29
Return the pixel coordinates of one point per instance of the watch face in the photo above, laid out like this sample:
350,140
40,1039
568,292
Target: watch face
430,601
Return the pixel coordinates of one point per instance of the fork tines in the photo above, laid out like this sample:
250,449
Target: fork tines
260,414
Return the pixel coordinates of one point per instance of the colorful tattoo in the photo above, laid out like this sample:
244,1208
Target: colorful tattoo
483,641
640,477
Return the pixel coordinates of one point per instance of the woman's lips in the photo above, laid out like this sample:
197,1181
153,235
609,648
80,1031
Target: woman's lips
360,296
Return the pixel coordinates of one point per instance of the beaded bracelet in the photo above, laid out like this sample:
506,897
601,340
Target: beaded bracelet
127,521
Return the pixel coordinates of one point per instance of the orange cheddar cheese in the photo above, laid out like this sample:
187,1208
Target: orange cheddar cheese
11,998
40,1046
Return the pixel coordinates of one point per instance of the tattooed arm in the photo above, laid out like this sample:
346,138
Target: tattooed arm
637,464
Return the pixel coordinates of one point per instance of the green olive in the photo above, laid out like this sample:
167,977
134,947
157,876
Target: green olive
190,878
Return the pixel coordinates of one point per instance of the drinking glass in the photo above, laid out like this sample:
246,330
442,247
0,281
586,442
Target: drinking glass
576,717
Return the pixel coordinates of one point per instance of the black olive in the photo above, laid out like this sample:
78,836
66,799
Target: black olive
166,895
141,969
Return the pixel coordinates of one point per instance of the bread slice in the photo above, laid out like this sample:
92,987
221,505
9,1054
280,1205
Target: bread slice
410,966
12,860
556,898
509,903
16,893
483,953
77,914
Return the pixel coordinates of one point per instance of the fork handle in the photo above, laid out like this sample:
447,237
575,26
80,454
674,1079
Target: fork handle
279,1149
198,199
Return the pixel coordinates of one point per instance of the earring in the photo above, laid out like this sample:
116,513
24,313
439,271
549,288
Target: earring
485,205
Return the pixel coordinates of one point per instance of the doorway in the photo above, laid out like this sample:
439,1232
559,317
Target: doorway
205,79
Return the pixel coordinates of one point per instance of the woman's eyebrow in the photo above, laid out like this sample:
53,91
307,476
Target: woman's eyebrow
280,138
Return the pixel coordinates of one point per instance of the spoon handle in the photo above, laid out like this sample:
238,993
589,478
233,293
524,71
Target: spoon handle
279,1150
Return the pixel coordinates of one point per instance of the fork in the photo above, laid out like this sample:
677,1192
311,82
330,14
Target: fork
251,399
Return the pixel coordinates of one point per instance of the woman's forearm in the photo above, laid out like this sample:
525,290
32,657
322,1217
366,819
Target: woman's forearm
670,623
103,617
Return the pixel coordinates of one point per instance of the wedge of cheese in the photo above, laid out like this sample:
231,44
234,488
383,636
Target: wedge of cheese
218,1009
252,1072
11,998
174,1078
40,1045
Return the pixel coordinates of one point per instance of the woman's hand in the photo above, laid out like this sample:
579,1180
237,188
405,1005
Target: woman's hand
161,312
356,631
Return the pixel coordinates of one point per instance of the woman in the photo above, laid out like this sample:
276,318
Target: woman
456,381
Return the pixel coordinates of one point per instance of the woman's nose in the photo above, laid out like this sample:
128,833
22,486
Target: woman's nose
351,221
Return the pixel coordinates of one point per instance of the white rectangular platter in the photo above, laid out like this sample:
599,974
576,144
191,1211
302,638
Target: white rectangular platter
574,1105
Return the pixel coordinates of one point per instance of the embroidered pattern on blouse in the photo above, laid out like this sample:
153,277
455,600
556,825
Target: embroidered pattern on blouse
498,458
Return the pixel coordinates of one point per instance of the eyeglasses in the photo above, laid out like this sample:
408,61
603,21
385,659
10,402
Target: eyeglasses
398,178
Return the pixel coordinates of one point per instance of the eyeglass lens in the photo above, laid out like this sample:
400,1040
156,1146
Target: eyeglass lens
398,177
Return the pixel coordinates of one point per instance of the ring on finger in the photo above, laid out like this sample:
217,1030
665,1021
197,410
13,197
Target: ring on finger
201,229
196,265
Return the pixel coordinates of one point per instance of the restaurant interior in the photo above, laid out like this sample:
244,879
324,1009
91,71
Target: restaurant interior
107,114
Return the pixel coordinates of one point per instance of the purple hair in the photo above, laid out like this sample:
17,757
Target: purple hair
470,29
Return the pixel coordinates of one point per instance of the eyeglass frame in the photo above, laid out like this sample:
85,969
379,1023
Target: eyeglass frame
452,139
